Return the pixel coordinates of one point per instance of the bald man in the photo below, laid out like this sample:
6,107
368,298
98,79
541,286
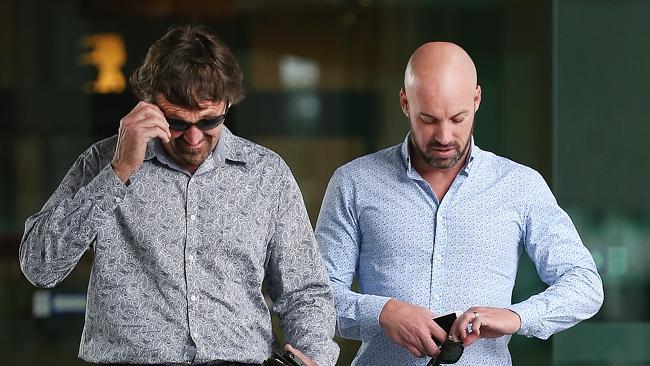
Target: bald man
436,225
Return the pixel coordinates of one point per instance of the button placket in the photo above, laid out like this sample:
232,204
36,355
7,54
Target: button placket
190,250
437,268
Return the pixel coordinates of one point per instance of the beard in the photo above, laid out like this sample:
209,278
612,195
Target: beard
442,163
187,156
192,157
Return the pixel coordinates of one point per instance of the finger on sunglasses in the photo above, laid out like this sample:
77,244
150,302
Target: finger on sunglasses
154,121
153,132
148,109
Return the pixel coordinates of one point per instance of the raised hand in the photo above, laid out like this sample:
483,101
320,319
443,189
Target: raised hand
145,122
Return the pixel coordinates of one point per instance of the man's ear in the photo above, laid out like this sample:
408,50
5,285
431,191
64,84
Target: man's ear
404,102
477,98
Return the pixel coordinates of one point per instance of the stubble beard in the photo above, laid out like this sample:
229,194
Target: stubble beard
444,163
191,157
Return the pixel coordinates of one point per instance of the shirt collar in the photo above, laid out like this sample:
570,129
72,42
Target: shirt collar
228,148
406,156
234,148
473,152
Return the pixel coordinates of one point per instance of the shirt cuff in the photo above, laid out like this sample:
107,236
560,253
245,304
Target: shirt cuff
531,325
371,306
106,190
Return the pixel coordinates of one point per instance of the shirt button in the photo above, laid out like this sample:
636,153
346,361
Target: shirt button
438,257
195,335
192,217
193,297
118,199
190,258
436,296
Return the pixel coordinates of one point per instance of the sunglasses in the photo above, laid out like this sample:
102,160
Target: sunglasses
285,359
450,352
204,124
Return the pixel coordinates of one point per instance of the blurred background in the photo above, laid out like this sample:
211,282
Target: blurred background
565,91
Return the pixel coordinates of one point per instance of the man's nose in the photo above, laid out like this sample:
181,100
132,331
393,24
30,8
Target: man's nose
193,135
444,135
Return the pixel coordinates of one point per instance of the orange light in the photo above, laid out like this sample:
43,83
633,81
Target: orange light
108,54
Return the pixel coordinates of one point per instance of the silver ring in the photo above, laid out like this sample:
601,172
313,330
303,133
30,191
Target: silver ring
469,328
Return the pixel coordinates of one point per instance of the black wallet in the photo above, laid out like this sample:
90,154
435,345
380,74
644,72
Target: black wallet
285,359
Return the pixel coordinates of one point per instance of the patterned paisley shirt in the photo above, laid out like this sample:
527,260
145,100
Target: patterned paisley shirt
382,224
180,260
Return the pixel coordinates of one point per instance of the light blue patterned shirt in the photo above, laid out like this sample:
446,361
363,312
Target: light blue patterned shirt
382,225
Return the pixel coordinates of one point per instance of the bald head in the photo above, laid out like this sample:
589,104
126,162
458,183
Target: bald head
440,98
440,65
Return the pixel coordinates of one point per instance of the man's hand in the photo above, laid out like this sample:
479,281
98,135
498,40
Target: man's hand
486,323
144,122
412,327
301,356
